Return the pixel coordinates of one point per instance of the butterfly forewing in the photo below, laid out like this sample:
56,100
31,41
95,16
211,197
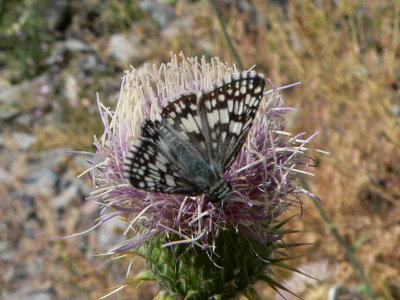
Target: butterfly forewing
229,111
181,117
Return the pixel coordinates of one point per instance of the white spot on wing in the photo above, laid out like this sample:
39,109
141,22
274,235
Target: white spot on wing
235,126
213,118
230,105
236,108
170,180
224,116
150,184
240,108
247,99
161,158
190,124
223,136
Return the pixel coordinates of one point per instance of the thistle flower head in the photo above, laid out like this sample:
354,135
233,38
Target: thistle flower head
263,176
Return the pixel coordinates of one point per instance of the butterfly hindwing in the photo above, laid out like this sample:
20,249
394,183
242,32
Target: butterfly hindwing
149,165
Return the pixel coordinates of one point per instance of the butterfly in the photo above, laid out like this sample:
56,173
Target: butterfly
195,139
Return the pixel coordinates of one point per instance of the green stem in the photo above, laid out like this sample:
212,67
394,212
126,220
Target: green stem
347,248
225,33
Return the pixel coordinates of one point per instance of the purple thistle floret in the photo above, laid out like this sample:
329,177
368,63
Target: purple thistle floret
263,177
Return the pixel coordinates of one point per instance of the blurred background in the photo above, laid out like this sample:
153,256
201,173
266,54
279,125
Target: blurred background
54,57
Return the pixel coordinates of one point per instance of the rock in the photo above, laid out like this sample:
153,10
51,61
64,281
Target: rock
121,48
11,94
43,180
36,266
338,292
70,177
90,63
71,90
28,293
17,93
171,32
39,295
25,119
395,109
66,196
5,176
57,14
7,253
30,229
26,199
7,112
107,233
52,158
159,12
76,45
57,54
19,101
127,48
24,140
70,188
82,161
64,49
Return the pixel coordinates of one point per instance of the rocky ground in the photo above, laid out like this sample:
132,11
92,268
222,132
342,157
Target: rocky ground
41,118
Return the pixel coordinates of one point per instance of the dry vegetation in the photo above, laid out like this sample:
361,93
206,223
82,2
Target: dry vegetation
347,56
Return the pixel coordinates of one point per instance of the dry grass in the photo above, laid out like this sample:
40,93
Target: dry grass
348,59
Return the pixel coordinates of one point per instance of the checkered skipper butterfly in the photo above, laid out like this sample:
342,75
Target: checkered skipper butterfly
195,139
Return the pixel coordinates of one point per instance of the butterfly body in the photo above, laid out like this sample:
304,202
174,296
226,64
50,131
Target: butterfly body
187,149
206,176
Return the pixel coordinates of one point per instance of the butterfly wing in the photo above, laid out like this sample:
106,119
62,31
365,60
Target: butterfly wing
149,164
227,113
181,116
210,126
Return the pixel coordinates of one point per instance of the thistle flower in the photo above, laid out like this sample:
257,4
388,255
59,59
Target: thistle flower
194,248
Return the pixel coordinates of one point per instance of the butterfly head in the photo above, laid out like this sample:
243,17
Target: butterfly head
219,191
